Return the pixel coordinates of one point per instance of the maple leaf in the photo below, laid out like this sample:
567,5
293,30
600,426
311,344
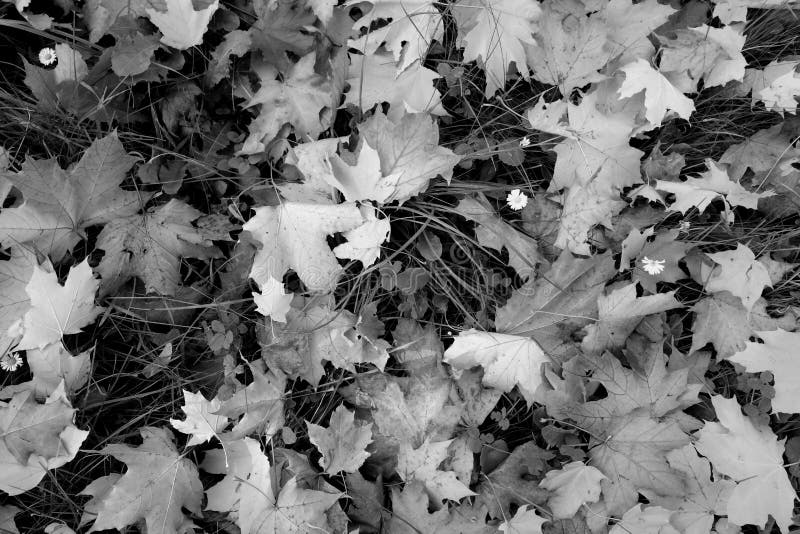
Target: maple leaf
181,26
294,235
660,94
775,354
410,147
713,184
525,521
645,520
619,312
596,147
281,29
571,487
563,297
312,160
405,411
364,242
29,428
363,180
417,23
49,367
776,85
298,99
766,151
59,205
723,320
493,34
342,444
631,455
58,310
260,404
575,40
583,208
494,233
150,246
15,273
314,333
201,423
292,511
373,79
235,461
43,434
711,54
694,512
154,489
273,301
653,389
513,482
753,457
422,464
507,360
739,273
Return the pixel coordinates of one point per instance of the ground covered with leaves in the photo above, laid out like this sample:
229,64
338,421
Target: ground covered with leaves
399,266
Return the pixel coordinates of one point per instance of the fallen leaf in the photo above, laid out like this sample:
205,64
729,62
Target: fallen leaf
181,26
294,235
739,273
150,246
374,79
776,85
259,404
753,457
153,491
507,360
525,521
201,423
59,205
421,463
58,310
493,33
660,95
298,98
342,444
414,25
571,487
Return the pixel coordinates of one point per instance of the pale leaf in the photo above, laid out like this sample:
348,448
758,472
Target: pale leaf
776,354
343,443
660,95
507,360
571,487
739,273
201,423
753,457
294,235
59,205
422,464
58,310
493,34
181,26
156,486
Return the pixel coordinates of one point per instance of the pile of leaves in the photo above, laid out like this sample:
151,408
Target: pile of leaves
403,266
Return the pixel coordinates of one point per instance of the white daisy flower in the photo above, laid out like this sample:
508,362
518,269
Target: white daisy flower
653,266
10,361
47,56
516,200
524,142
